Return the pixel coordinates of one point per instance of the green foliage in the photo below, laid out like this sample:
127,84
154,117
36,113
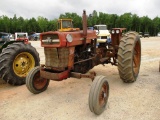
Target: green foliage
41,24
156,25
52,25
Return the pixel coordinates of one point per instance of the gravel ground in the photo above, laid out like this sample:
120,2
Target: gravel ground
68,100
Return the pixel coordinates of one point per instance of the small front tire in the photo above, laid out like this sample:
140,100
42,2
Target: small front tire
98,95
35,83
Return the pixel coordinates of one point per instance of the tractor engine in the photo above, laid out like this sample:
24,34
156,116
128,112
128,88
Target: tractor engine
68,51
83,59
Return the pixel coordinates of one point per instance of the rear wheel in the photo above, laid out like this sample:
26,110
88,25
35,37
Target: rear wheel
98,95
129,57
35,83
16,61
159,66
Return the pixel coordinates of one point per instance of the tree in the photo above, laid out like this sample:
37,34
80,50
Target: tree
146,24
156,25
43,23
1,24
52,25
126,20
136,23
14,24
5,24
112,21
20,23
32,25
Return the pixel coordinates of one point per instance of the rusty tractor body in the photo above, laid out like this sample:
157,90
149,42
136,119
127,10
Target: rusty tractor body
73,52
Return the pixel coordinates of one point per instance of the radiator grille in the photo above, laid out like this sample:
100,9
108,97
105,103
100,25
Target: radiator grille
56,57
50,39
103,37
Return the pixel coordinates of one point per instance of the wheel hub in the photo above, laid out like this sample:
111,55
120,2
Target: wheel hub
136,58
39,82
23,63
103,95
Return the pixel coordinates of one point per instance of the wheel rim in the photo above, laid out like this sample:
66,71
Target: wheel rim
23,63
38,82
103,95
136,58
159,66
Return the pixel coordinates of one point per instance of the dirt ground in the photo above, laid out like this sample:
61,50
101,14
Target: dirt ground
68,100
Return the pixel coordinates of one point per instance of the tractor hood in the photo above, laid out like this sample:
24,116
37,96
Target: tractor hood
65,39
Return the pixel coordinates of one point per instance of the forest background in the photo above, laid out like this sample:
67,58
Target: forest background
40,24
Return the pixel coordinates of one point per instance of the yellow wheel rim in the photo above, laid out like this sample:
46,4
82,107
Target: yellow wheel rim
23,63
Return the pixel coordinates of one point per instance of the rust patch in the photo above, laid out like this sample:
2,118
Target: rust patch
54,76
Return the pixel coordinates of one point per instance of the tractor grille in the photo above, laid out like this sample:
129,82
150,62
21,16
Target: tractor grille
103,37
56,57
50,39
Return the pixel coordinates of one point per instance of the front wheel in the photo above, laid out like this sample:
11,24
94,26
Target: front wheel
35,83
98,95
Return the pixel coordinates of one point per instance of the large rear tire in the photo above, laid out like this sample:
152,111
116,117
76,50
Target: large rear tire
35,83
129,57
159,66
16,61
98,95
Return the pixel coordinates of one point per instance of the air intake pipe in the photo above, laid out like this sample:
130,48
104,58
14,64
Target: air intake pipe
84,20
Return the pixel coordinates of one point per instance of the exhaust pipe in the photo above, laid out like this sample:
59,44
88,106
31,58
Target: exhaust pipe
84,19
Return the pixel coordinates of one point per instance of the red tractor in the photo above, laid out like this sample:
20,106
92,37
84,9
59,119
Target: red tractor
70,52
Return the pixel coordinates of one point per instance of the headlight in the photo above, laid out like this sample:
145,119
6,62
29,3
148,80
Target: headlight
113,31
69,38
117,31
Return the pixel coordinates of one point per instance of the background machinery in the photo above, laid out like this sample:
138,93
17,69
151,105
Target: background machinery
102,33
17,58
